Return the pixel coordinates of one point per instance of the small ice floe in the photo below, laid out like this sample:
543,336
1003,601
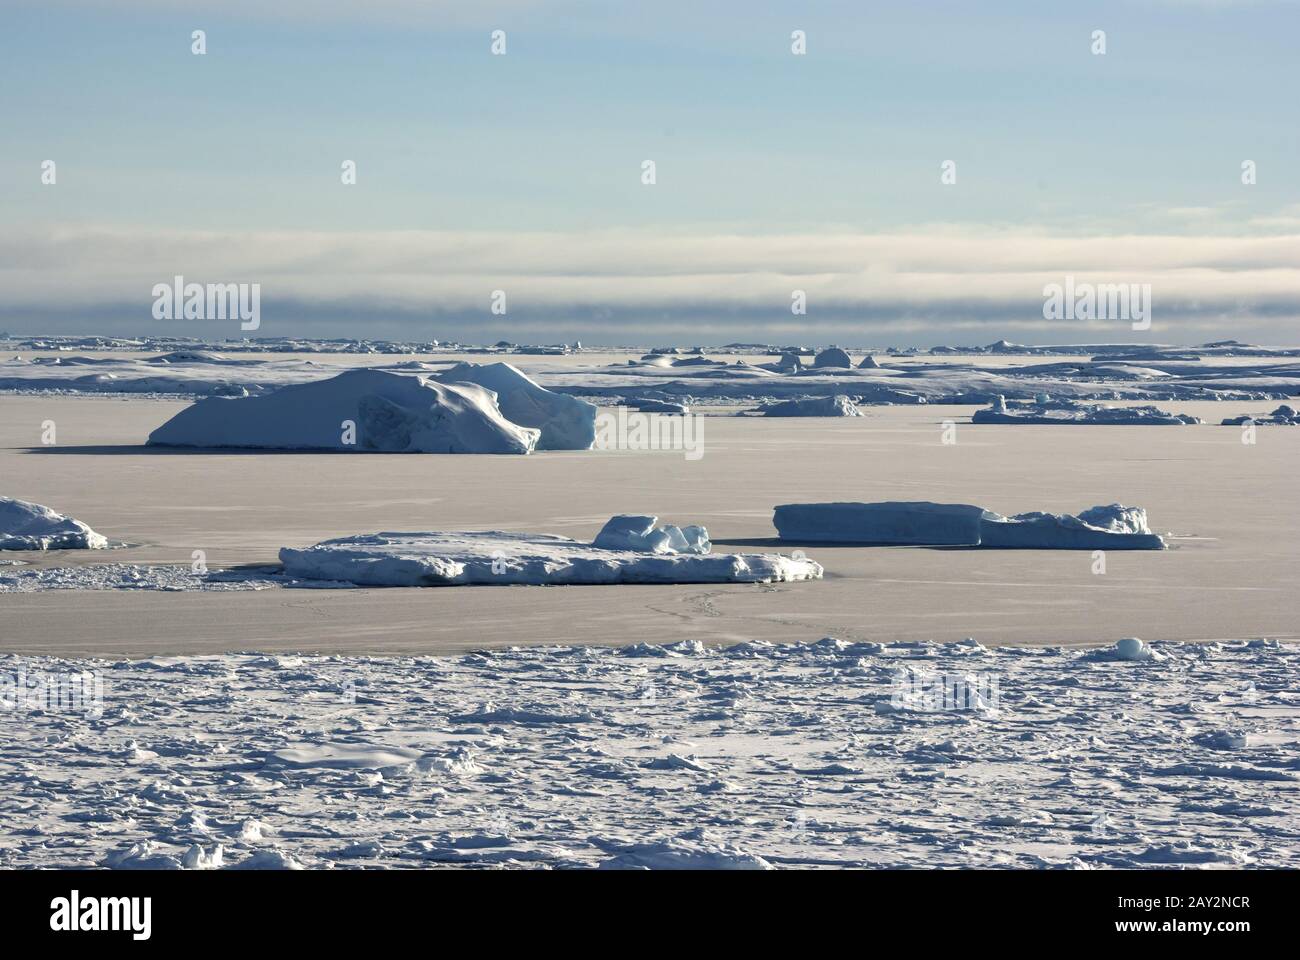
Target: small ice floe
357,411
1044,409
640,533
1282,416
31,526
1130,648
922,523
836,406
496,558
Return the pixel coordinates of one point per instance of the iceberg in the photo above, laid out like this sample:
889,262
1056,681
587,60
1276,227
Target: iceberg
1283,415
892,522
31,526
836,406
921,523
497,558
1046,410
833,357
387,412
634,532
565,422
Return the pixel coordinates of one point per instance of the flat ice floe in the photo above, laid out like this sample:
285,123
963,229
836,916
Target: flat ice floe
31,526
921,523
503,559
1072,411
829,754
361,410
836,406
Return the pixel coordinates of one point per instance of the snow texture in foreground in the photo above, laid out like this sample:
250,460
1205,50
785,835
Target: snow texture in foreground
31,526
921,523
682,756
392,413
566,423
495,558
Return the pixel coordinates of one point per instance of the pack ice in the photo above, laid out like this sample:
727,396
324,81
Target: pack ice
636,553
391,413
921,523
1046,410
31,526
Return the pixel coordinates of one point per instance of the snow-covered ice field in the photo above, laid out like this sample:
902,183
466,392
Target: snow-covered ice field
824,754
319,724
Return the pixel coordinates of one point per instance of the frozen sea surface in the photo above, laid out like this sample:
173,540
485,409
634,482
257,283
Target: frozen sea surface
827,754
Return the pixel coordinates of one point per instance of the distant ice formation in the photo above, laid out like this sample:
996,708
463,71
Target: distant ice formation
836,406
360,410
31,526
1046,410
1283,415
496,558
921,523
833,357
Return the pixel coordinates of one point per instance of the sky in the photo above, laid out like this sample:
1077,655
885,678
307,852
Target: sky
773,172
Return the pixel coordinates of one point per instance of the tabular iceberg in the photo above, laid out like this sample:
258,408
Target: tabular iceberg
31,526
496,558
565,422
836,406
920,523
389,412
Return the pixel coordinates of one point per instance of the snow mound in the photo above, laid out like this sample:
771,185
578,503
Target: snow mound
1129,649
921,523
1046,410
391,413
833,357
632,532
31,526
496,558
566,423
836,406
868,363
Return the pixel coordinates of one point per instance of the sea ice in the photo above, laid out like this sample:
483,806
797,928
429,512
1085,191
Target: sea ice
833,357
496,558
31,526
1112,527
361,410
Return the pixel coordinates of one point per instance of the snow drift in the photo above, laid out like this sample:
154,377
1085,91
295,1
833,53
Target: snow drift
566,423
496,558
921,523
31,526
391,413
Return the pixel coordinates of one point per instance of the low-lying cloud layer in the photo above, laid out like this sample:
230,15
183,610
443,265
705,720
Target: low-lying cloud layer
621,286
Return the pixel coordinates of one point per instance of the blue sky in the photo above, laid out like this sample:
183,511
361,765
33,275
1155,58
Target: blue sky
170,162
